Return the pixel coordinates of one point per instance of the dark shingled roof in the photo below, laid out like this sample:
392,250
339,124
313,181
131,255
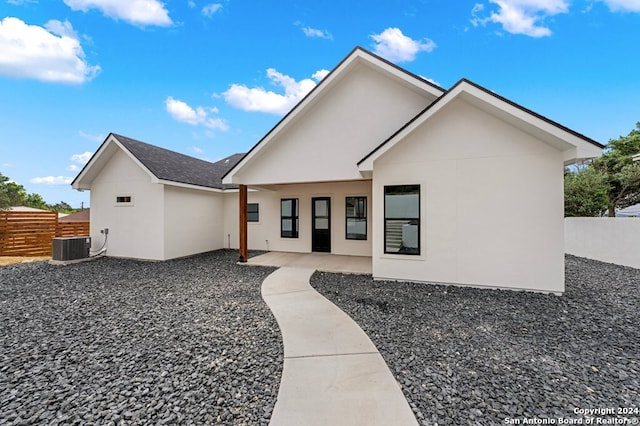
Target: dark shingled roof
175,167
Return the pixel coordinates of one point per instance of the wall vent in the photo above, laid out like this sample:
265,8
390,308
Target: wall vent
71,248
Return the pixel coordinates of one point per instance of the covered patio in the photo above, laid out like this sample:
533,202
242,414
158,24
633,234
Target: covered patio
324,262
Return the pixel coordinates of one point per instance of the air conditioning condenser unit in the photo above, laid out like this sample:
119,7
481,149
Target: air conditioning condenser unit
71,248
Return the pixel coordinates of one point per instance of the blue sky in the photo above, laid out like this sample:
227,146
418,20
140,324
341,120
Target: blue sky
209,78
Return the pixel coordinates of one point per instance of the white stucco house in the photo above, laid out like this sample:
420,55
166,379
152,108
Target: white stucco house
457,186
156,204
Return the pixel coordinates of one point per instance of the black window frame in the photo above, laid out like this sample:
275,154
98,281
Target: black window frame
256,212
357,216
388,188
295,218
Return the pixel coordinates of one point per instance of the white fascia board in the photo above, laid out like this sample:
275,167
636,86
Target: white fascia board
571,145
419,84
95,161
187,185
366,166
358,56
232,175
154,178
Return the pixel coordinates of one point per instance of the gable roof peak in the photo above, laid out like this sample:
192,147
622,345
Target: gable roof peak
358,55
160,163
364,53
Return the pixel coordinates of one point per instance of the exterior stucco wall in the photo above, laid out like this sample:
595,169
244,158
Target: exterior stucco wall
265,235
491,204
614,240
137,230
332,135
193,221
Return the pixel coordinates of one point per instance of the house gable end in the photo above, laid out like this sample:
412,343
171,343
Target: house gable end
323,137
161,165
100,159
574,145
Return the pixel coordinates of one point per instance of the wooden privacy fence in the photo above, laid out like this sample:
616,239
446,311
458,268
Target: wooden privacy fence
32,233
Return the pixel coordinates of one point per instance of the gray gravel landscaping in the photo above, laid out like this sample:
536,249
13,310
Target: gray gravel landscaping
111,341
486,357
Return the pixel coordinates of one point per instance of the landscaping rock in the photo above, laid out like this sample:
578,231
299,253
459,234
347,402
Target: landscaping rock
123,341
481,357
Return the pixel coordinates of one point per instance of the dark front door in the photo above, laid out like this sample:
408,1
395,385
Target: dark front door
321,224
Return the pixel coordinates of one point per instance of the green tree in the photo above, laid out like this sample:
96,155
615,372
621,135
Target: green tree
4,198
11,193
36,201
585,192
62,207
622,173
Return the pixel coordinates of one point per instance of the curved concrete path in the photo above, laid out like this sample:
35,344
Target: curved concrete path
333,374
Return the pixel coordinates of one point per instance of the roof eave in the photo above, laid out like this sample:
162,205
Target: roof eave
577,145
356,55
189,186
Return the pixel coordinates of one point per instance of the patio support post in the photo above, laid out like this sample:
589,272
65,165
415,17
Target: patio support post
243,223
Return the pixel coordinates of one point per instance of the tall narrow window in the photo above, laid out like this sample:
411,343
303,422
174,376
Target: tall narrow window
253,212
402,219
356,218
289,218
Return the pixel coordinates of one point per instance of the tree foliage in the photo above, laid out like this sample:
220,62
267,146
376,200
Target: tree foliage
585,192
5,202
608,183
623,174
13,194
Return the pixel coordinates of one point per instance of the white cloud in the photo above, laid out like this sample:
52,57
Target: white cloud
313,32
623,5
430,80
394,46
181,111
21,2
191,4
316,33
79,160
93,138
320,74
137,12
262,100
52,180
51,54
521,16
197,149
82,158
210,9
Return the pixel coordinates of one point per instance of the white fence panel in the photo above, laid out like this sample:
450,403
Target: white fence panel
613,240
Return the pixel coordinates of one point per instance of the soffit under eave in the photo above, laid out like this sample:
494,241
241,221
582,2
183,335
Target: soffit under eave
95,165
101,158
358,58
540,129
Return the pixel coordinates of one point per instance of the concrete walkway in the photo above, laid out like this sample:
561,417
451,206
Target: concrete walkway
333,374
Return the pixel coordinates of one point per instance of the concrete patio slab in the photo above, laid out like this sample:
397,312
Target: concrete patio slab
325,262
333,374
